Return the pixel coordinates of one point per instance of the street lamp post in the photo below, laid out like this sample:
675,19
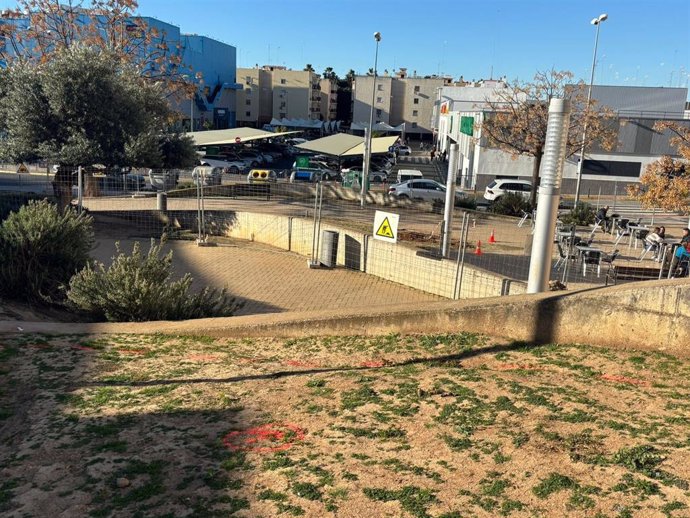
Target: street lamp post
367,137
596,21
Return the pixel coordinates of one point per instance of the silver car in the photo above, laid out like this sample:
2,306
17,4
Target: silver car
424,190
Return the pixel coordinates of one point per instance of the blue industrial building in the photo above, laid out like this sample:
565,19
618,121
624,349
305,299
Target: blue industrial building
209,63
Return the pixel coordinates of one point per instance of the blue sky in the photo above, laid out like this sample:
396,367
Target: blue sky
643,43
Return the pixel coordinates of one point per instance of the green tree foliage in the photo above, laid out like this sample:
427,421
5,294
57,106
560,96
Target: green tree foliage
510,204
40,249
137,288
582,215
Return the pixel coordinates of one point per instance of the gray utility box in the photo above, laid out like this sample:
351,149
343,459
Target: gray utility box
329,248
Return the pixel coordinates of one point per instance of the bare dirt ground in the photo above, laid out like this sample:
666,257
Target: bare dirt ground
440,426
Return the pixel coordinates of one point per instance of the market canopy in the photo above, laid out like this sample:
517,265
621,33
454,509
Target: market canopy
229,136
343,144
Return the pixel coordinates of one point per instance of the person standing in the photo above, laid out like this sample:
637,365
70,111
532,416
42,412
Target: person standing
431,154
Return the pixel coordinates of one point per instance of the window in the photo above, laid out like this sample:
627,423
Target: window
378,113
249,102
379,87
248,91
416,89
414,124
379,99
283,81
248,80
415,113
416,101
248,114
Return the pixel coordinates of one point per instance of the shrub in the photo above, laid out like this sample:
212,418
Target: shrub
13,201
511,204
137,288
582,215
40,249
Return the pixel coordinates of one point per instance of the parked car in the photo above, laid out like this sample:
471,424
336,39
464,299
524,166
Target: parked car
425,190
163,180
498,188
256,158
304,174
404,150
228,164
209,175
374,176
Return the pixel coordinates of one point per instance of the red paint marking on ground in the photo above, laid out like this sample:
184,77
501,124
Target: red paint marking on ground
266,438
623,379
132,351
83,348
296,363
202,357
373,363
519,366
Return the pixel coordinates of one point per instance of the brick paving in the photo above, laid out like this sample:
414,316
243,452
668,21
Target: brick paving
272,280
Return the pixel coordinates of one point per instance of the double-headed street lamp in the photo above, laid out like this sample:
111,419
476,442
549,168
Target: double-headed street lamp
367,140
596,21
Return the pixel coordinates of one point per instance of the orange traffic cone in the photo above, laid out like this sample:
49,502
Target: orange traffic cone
478,249
492,237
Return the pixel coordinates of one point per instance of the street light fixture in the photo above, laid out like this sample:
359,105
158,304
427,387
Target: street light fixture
367,139
596,21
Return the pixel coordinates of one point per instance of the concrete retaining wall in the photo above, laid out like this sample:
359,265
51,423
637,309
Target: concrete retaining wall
651,315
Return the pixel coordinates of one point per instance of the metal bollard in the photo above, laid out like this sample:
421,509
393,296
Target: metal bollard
162,201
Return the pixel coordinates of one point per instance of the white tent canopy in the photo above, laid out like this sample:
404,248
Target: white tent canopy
228,136
324,126
379,126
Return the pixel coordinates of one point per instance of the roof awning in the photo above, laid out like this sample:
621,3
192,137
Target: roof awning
342,144
379,126
378,145
229,136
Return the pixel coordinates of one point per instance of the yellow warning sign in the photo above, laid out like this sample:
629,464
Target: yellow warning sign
22,169
386,226
385,229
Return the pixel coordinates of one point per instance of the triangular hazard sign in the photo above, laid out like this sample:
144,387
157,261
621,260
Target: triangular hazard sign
385,229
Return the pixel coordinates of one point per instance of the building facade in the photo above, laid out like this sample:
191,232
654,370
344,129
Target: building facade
275,92
399,99
637,109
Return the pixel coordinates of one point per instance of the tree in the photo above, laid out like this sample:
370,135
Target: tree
329,73
308,68
666,182
519,115
350,77
83,107
37,29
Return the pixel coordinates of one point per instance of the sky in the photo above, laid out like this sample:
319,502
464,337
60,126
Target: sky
642,43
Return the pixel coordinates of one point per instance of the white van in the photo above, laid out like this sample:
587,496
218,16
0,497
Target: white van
409,174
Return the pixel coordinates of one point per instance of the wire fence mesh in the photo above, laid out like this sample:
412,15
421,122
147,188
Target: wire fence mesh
264,239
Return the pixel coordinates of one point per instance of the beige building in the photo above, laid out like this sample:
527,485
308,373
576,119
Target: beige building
398,99
274,92
329,99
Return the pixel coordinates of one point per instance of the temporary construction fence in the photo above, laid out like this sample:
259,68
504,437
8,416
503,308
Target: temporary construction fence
325,224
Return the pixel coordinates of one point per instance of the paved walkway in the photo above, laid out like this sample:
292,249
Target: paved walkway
272,280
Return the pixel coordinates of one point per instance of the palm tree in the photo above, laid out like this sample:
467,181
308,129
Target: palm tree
309,68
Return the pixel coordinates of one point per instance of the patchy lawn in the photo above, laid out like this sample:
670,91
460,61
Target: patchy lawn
418,426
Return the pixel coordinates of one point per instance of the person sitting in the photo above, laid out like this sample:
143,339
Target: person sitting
653,241
682,252
662,232
602,220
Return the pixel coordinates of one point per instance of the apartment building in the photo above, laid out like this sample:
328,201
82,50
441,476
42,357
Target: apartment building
275,92
329,99
398,99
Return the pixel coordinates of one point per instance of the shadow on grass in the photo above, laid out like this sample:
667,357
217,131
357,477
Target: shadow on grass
495,349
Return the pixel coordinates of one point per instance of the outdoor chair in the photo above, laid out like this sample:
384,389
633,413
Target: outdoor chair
621,229
563,256
591,258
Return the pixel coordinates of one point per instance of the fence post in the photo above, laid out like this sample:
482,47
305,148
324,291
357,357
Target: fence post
80,189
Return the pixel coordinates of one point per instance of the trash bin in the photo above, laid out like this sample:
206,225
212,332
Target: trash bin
162,201
329,248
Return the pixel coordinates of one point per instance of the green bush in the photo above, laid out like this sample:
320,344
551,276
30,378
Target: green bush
137,288
510,204
13,201
40,249
582,215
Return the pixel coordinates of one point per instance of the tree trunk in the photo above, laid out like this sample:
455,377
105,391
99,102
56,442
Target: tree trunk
62,187
535,178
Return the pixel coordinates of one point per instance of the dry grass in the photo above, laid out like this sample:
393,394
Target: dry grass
422,426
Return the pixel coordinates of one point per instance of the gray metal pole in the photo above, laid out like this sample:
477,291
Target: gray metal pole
80,188
367,139
549,194
584,127
450,199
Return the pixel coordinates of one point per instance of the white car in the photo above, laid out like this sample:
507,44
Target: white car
404,150
498,188
374,176
228,165
425,190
